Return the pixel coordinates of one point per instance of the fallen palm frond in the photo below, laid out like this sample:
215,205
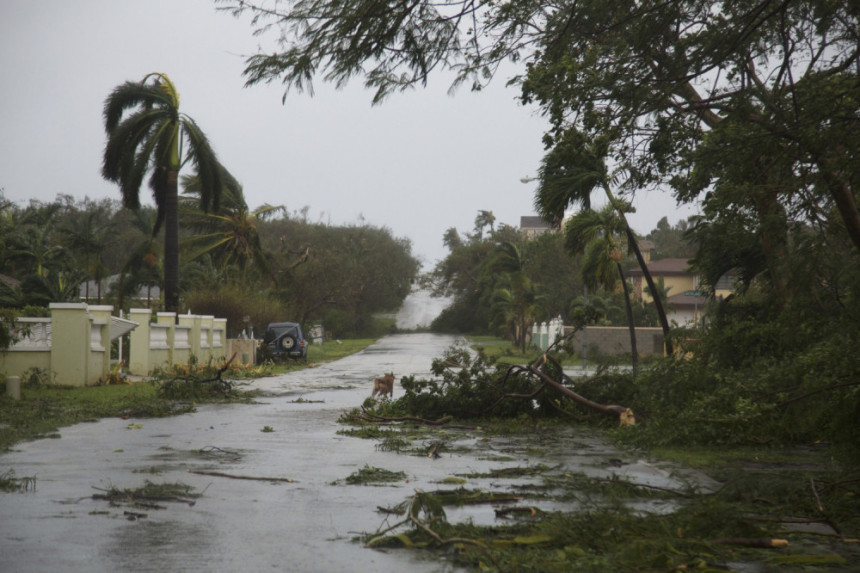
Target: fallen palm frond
8,482
220,474
423,511
368,475
148,495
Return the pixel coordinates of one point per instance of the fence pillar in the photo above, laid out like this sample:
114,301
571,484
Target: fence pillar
138,352
207,324
169,319
70,350
219,339
100,344
193,321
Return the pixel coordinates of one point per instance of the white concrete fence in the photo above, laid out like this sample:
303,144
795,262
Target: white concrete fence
73,345
545,334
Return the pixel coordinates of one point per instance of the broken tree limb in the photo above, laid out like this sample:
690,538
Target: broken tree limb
625,415
439,539
368,417
826,517
254,478
758,542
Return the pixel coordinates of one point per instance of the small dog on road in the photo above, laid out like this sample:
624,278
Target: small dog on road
384,385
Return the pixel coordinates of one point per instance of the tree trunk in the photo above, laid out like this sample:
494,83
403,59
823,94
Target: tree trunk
661,312
625,415
171,243
633,350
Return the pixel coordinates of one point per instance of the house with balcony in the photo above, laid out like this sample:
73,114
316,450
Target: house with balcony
686,301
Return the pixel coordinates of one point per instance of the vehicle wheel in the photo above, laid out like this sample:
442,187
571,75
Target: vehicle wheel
288,342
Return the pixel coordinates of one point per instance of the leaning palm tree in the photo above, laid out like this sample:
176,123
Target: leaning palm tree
147,133
570,172
594,234
230,234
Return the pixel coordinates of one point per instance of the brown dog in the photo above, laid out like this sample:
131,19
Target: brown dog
384,385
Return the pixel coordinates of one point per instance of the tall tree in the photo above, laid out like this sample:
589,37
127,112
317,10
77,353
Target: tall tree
515,294
675,86
572,170
482,220
594,234
147,132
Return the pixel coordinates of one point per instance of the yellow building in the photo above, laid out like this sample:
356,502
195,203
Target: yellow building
686,302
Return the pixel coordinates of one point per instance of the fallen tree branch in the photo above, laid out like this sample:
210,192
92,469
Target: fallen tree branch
758,542
821,509
368,417
440,540
625,415
254,478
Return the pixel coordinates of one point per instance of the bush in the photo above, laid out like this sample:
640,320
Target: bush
234,302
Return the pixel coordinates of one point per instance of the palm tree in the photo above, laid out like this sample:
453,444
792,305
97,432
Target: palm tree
91,236
451,238
516,300
484,219
569,173
593,233
230,235
154,136
36,250
52,286
143,265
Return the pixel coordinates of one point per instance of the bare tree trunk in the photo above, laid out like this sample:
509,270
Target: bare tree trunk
171,243
661,312
633,350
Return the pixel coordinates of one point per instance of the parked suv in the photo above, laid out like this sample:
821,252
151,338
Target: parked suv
286,339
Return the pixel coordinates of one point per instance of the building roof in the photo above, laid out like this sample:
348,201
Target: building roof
665,267
109,282
533,222
12,282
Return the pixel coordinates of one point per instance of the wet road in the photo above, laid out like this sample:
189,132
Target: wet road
237,525
246,525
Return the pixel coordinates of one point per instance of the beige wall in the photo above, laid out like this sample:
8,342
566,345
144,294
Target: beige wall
612,340
77,351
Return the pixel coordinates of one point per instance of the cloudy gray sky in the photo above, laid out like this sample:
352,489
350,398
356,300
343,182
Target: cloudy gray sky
418,164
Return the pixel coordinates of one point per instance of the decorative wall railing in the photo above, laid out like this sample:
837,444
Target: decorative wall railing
73,345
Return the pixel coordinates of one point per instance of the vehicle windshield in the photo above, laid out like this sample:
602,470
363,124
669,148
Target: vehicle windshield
275,332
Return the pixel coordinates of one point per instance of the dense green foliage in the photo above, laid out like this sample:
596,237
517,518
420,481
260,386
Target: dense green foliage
471,275
310,273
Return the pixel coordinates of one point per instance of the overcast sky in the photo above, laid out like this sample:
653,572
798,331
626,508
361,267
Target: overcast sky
420,163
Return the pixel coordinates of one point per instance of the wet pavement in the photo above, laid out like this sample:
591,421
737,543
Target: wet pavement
306,525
